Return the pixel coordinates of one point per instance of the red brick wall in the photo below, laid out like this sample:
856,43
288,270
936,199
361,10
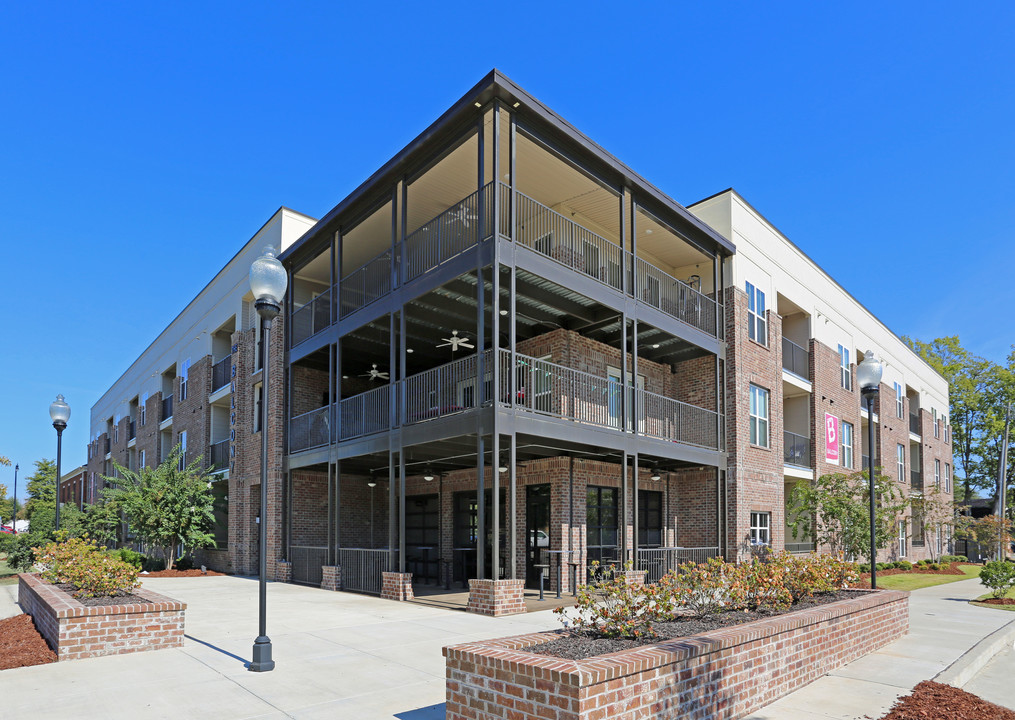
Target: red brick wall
496,597
724,674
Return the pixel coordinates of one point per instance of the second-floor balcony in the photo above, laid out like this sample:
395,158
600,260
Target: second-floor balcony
108,446
131,429
540,387
914,424
796,449
220,373
795,359
537,227
218,455
167,407
916,480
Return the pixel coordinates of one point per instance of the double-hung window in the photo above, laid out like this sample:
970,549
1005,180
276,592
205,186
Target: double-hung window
900,458
948,477
756,323
142,410
903,550
183,450
759,416
845,377
937,474
761,528
900,401
937,423
846,442
184,374
141,460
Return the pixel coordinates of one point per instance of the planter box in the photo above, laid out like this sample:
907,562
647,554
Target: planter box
76,631
722,674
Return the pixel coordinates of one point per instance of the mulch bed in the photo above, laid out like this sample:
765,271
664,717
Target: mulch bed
21,644
997,601
179,573
934,700
951,569
578,646
102,600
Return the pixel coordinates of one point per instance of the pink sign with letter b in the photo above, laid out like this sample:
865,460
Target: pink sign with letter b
831,439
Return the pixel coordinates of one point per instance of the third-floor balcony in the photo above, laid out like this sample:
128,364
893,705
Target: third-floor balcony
220,373
796,449
914,424
541,388
795,359
916,480
167,407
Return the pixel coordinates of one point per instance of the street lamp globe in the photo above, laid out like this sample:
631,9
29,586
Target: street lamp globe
868,373
59,411
268,279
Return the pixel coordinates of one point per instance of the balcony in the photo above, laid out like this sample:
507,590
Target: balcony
311,429
131,430
311,318
220,373
108,446
167,407
538,227
914,424
795,359
796,450
916,480
218,456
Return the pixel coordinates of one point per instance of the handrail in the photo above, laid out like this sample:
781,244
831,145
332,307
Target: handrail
454,231
366,413
446,389
674,297
220,372
795,359
367,283
669,419
310,429
311,317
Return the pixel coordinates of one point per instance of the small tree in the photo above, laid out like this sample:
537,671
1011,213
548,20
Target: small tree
937,511
835,511
165,506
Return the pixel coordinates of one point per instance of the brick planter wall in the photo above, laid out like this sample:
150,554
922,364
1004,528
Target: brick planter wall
283,571
496,597
722,674
396,586
75,631
331,577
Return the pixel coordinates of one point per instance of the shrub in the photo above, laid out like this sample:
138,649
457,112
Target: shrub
864,567
82,563
884,566
998,576
903,565
954,558
184,563
21,551
609,607
130,557
933,566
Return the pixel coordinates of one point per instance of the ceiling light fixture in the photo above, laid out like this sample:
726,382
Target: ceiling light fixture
656,346
503,312
428,474
656,473
502,465
479,104
408,350
516,104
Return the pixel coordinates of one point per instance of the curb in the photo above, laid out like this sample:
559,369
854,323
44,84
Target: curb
975,658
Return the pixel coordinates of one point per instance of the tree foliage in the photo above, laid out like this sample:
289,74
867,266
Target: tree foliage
935,512
41,491
165,506
834,510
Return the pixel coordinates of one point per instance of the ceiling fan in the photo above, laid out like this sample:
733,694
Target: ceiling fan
374,374
463,215
456,342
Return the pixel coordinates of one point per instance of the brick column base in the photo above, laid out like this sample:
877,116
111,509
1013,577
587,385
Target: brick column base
332,579
396,586
283,571
634,578
496,597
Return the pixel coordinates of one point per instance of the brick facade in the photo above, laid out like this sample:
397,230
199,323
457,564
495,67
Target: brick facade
496,597
396,586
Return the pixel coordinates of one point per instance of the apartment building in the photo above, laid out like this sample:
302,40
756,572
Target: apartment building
794,339
198,386
78,488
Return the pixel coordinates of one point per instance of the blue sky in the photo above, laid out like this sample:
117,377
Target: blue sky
143,145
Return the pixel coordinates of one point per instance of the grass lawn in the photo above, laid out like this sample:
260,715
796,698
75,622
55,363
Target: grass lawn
1010,608
915,581
7,576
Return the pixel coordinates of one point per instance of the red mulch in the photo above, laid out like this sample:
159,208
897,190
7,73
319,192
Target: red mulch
934,700
997,601
21,644
950,569
180,573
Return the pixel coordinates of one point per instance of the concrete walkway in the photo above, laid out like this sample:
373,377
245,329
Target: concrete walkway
341,655
942,628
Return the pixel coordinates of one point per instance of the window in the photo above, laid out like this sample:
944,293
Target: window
846,377
756,329
900,401
902,539
948,477
184,374
144,413
183,449
900,458
116,429
937,423
601,523
142,458
650,518
258,399
846,443
937,474
761,528
759,416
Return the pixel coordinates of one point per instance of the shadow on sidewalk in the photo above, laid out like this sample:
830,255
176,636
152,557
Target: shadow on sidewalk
218,649
430,712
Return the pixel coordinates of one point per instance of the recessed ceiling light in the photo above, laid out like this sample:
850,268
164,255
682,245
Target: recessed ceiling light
408,350
656,346
517,104
479,104
503,312
648,231
345,377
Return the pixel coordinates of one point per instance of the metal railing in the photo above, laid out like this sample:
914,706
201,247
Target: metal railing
659,561
865,459
311,429
167,407
796,449
800,547
916,479
311,318
676,421
914,424
307,562
366,413
131,429
551,234
362,568
108,445
446,390
795,359
550,389
454,231
218,457
220,373
365,284
674,297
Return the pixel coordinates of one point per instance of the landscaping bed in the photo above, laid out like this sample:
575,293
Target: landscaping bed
195,572
21,645
935,700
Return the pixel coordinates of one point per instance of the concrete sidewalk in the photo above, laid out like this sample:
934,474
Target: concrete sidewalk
942,628
343,655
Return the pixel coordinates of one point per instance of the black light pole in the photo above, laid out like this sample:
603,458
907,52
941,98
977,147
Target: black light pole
59,412
14,506
268,282
868,376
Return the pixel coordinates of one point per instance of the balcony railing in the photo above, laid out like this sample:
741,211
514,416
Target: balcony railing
311,318
366,413
914,424
795,359
311,429
865,459
800,547
131,430
366,284
656,562
218,457
220,373
674,297
108,445
451,233
167,407
916,480
676,421
796,449
445,390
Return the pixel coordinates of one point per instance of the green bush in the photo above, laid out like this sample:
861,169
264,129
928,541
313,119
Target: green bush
884,566
130,557
84,564
998,576
184,563
21,551
921,563
954,558
933,566
607,606
903,565
864,567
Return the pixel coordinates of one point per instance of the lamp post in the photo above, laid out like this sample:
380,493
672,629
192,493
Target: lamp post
268,283
59,412
868,376
14,505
